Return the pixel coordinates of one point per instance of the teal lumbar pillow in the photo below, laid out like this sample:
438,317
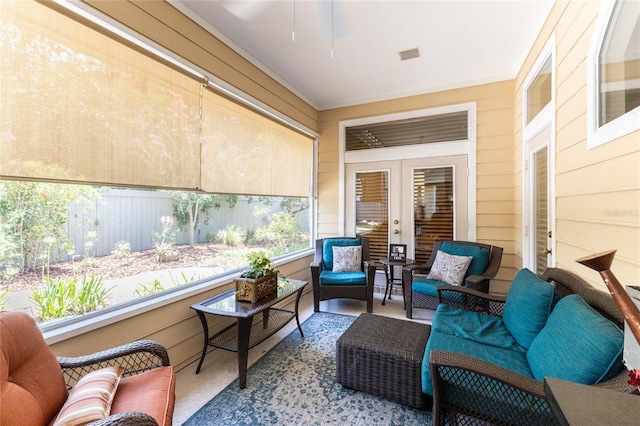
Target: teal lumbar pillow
577,344
528,306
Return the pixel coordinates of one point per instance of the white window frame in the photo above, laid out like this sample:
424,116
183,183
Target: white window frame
626,123
545,118
69,327
438,149
546,115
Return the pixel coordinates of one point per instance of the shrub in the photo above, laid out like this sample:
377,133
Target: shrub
164,241
121,249
64,297
250,236
231,235
55,299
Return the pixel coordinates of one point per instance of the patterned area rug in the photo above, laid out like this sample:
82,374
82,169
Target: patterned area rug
295,384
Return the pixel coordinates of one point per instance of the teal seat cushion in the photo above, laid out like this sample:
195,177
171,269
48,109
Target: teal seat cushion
428,287
513,360
529,303
327,249
577,344
475,327
342,278
480,256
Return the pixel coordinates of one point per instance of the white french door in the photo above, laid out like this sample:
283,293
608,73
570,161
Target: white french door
412,202
539,213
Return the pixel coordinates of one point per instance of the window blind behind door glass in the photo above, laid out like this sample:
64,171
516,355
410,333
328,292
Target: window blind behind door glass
433,209
372,211
541,210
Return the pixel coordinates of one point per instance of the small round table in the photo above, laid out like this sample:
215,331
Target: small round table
388,273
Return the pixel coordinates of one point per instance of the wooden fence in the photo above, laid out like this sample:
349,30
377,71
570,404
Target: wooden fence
134,216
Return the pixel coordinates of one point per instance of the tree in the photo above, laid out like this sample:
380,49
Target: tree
188,205
34,215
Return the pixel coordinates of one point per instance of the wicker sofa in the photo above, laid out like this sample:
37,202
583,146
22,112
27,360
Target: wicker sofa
487,356
36,388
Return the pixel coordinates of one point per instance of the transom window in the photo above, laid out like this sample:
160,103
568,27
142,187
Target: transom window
539,91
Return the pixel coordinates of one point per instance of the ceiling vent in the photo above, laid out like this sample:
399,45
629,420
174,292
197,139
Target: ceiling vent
409,54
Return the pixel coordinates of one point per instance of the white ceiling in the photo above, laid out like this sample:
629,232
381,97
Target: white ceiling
461,43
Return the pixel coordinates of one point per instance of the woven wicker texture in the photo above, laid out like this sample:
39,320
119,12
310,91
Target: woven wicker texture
470,391
358,292
126,419
135,357
383,356
474,282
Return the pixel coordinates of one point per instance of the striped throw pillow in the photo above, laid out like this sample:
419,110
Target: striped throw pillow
90,399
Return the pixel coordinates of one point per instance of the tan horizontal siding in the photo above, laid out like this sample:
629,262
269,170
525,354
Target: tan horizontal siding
597,190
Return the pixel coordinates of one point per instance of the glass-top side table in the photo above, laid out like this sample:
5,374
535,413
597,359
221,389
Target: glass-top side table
255,323
389,266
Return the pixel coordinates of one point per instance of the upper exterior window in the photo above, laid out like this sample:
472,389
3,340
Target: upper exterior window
539,91
615,64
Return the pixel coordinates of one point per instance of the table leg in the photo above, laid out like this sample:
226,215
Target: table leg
205,328
392,279
296,310
244,334
386,276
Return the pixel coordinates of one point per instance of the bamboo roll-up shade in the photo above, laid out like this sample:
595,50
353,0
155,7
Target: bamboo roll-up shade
244,152
79,106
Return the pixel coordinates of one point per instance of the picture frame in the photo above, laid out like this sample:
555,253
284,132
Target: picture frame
397,252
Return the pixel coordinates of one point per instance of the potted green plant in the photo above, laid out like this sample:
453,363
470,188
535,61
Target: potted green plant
259,280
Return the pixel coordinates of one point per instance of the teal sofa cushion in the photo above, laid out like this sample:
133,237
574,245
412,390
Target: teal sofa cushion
342,278
327,249
480,256
475,327
529,303
428,287
506,358
577,344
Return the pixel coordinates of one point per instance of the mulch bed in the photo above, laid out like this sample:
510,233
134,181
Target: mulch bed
111,267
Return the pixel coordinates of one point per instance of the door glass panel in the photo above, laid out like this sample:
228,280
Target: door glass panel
540,209
372,210
433,208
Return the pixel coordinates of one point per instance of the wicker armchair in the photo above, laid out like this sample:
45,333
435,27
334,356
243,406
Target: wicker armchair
411,273
468,391
350,285
36,394
137,357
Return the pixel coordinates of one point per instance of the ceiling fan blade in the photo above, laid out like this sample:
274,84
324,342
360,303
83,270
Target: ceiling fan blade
246,10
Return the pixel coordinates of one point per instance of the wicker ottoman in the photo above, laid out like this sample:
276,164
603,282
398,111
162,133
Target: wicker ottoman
383,356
